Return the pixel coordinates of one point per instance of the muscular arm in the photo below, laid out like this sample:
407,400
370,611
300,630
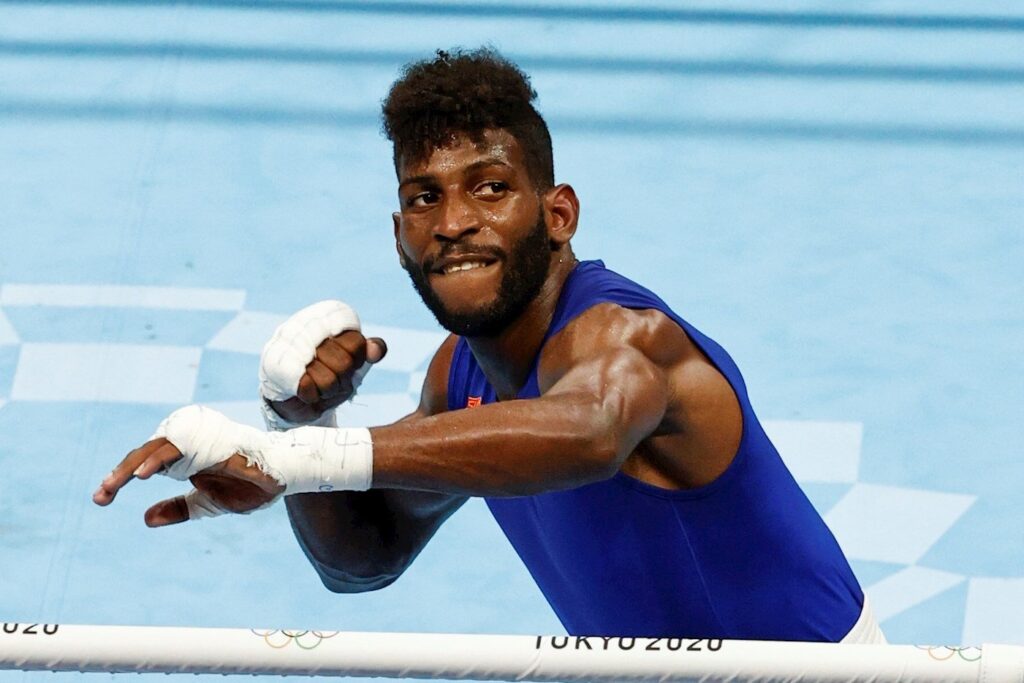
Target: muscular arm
603,395
621,390
363,541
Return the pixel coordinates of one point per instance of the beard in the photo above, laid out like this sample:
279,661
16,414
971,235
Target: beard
525,271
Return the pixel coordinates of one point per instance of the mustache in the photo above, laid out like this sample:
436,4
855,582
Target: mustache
455,250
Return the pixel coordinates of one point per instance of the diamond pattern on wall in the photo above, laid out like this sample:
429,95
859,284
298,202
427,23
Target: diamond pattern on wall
893,524
408,349
247,332
106,372
827,452
873,523
121,296
8,336
906,588
995,611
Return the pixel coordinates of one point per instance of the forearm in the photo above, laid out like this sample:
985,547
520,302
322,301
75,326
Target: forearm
511,448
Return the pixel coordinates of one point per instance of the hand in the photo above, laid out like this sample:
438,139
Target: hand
232,485
328,379
236,468
314,362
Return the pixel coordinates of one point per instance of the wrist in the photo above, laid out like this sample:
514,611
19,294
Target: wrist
276,422
320,459
302,460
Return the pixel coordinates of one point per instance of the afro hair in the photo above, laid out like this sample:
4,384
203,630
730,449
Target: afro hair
466,93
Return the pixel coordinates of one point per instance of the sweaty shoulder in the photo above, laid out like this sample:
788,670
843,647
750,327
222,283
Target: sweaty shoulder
608,326
434,396
702,425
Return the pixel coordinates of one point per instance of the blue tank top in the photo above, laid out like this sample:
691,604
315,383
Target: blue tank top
746,556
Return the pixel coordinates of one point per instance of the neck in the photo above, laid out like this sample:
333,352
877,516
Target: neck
506,359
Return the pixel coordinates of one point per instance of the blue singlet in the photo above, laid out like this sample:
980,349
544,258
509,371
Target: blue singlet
746,556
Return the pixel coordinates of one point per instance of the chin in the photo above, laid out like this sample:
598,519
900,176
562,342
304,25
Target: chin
480,321
468,308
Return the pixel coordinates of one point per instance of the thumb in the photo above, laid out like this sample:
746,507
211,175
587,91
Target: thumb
167,512
376,349
194,505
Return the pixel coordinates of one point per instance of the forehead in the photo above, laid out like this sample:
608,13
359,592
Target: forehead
461,151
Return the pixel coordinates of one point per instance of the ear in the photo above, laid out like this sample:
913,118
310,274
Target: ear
561,213
396,218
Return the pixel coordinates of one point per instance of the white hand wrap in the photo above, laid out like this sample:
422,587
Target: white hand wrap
200,505
303,460
290,350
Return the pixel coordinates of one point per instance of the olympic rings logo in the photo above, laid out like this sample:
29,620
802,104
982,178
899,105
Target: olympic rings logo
941,653
282,638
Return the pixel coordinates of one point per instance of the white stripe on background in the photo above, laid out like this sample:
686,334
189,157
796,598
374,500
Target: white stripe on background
908,587
121,373
119,296
247,332
891,523
7,333
818,451
994,609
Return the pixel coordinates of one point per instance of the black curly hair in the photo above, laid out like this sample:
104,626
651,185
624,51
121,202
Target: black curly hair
466,92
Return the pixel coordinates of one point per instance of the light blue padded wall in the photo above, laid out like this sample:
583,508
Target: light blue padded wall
834,191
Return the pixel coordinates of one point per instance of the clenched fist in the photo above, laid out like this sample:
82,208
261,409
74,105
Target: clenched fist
313,363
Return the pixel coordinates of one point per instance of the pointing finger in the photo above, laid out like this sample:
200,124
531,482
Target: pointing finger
124,471
162,457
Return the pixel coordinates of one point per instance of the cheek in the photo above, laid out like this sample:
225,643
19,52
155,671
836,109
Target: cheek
522,212
409,242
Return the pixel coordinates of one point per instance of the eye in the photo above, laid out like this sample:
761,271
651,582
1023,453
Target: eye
422,199
492,188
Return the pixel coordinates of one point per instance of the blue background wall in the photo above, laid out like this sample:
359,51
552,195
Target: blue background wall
833,191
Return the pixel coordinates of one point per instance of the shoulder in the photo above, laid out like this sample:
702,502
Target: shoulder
646,355
637,344
611,328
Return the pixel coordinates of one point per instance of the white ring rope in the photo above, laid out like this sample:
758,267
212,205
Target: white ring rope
489,657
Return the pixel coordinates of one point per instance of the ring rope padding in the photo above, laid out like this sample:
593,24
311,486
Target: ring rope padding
57,647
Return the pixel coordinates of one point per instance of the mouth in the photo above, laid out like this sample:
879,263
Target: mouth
461,264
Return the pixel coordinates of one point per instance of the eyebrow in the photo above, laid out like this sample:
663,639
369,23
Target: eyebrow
430,180
484,163
418,180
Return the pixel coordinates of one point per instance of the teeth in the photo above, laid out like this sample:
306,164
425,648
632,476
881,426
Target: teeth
466,265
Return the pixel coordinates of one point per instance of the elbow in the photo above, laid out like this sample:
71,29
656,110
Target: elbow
604,459
606,448
615,429
358,571
348,581
349,584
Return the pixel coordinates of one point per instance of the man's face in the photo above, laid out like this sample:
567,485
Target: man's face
471,233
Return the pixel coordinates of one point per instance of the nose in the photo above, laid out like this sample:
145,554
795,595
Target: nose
458,218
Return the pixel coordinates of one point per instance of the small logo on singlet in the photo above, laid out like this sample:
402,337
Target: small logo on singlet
473,401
